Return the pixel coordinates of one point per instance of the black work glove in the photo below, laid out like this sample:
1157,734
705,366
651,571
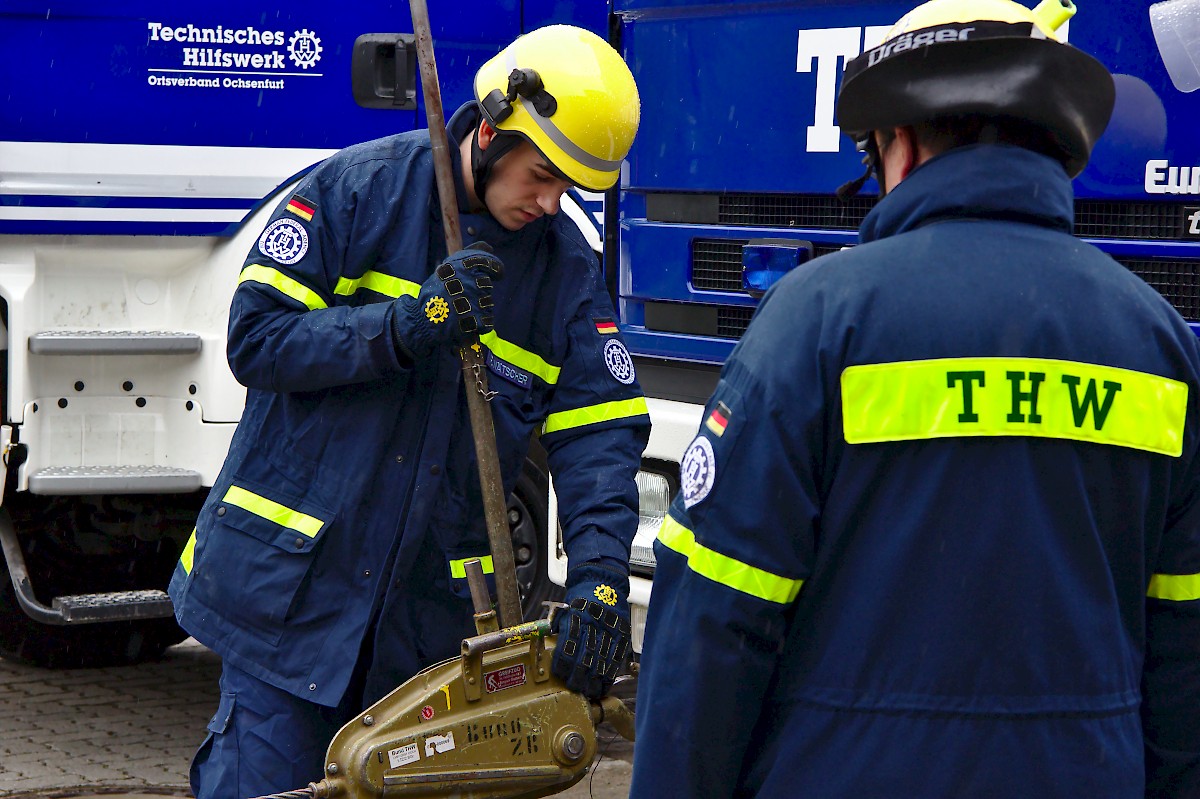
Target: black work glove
454,306
593,630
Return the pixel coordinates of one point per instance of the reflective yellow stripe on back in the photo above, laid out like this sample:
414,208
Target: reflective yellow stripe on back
951,397
281,282
594,414
1175,587
272,511
458,568
725,570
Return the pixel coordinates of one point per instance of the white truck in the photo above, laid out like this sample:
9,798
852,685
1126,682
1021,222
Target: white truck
142,147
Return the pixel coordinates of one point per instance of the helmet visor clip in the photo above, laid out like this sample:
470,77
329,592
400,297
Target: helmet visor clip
496,107
528,84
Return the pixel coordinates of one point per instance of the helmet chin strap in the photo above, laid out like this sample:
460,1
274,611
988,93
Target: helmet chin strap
483,161
870,150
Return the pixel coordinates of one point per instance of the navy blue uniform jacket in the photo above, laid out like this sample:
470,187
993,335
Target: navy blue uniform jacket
348,463
938,534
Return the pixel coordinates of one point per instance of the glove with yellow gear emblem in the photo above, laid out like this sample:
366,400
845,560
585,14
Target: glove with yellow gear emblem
454,305
593,630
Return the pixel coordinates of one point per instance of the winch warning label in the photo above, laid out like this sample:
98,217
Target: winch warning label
501,679
231,57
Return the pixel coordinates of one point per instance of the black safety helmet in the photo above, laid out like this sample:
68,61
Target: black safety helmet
989,58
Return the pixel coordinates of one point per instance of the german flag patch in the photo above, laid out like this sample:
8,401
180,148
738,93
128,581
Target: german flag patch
718,420
605,326
301,207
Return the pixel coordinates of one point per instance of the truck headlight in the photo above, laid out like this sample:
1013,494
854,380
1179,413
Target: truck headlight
655,491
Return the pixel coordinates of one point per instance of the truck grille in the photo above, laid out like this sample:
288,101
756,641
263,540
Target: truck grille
1177,280
732,321
793,210
717,266
717,263
1102,219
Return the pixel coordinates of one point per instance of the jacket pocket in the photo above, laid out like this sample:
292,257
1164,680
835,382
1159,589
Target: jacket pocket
261,547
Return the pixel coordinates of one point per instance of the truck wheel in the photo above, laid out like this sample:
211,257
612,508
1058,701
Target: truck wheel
527,522
68,551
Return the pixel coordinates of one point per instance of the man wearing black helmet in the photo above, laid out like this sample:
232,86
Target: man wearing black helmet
327,565
947,540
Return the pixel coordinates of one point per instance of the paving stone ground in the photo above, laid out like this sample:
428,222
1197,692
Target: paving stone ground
133,730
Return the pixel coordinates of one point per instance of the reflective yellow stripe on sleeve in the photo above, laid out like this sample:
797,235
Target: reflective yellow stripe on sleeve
1175,587
594,414
725,570
272,511
519,357
277,280
951,397
189,552
387,285
458,568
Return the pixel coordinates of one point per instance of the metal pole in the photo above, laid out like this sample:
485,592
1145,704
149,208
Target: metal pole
474,374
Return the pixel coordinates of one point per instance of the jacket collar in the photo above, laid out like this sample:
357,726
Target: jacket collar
464,121
981,181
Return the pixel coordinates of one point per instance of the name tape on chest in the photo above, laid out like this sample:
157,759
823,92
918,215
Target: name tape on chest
506,370
956,397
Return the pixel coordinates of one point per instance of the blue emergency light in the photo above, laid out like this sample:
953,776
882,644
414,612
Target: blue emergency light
765,261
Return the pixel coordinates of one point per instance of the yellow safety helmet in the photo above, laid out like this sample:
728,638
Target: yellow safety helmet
568,93
993,58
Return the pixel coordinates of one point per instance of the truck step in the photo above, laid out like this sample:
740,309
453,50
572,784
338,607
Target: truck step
114,606
114,342
113,480
78,608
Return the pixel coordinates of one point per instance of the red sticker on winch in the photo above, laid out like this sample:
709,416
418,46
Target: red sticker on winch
500,679
427,712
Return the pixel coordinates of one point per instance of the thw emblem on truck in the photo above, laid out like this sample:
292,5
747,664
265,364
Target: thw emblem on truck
827,51
304,48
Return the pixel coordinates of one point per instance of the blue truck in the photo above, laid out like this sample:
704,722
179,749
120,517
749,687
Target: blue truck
732,180
142,149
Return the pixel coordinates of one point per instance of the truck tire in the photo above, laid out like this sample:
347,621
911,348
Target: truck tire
527,523
68,552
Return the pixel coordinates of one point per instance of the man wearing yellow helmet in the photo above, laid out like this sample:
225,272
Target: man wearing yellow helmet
947,540
327,563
